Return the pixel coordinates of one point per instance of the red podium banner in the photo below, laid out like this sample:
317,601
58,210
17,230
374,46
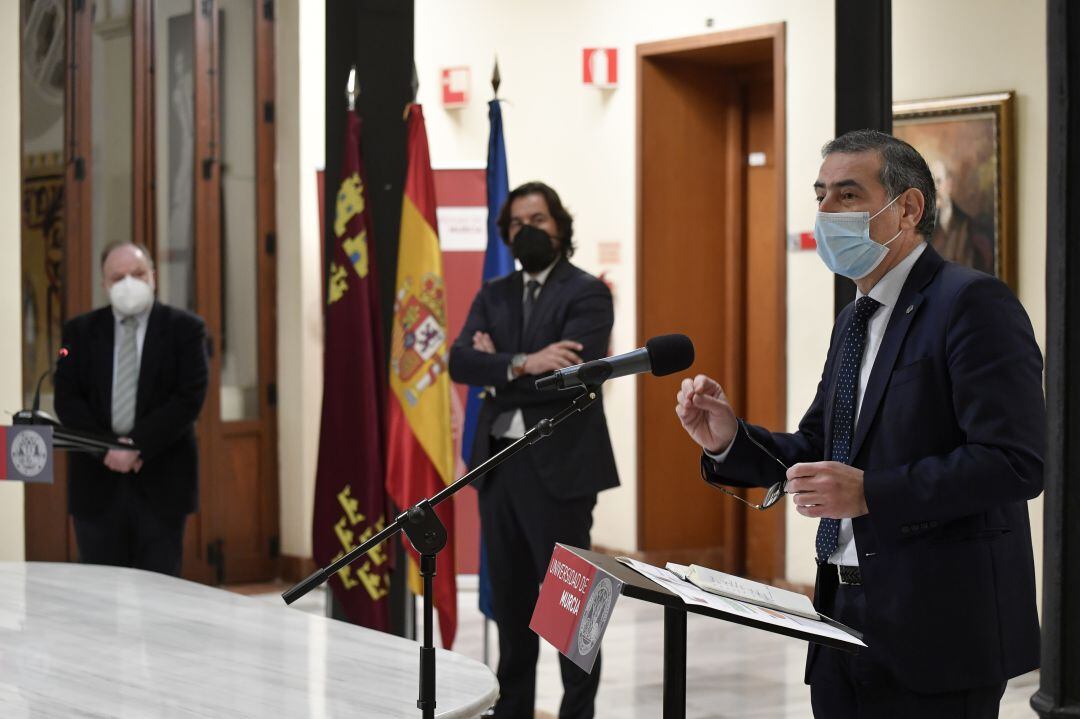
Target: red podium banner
575,604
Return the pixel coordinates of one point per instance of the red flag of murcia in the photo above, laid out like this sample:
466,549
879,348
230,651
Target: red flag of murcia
350,494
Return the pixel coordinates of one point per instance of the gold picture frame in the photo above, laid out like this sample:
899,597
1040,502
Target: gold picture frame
969,143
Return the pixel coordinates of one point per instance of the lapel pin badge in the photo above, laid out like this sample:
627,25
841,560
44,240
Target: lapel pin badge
909,309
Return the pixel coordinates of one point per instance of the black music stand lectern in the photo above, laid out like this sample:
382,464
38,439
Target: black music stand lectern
637,586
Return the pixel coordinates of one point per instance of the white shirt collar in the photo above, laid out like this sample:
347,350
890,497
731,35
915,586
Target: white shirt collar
887,289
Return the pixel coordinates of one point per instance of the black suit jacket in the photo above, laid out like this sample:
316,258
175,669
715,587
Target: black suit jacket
950,438
172,385
576,460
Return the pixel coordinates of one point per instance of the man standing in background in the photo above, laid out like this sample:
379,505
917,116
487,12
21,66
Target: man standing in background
521,326
137,371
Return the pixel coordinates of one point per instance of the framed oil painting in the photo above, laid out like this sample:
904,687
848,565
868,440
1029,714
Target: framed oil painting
969,144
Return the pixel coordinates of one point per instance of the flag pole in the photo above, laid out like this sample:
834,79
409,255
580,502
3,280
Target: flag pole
414,85
496,80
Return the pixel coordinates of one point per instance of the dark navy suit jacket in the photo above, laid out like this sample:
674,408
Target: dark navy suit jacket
576,460
951,438
172,385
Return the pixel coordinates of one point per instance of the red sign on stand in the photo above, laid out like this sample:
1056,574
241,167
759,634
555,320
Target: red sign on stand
575,604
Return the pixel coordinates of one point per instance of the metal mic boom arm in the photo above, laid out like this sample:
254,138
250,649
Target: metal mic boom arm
427,534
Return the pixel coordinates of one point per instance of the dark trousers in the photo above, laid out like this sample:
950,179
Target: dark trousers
860,686
128,533
521,524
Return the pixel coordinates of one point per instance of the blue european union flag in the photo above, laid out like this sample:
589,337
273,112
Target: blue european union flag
498,261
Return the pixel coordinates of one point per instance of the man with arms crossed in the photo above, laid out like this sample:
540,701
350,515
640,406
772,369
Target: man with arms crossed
547,316
920,450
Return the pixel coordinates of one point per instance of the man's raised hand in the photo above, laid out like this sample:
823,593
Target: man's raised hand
705,413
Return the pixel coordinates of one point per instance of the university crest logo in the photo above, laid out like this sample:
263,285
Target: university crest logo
595,617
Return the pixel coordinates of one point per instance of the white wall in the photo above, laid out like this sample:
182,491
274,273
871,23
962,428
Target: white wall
582,142
300,152
12,527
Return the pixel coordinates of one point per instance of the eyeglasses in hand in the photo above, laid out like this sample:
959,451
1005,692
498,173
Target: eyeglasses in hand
775,492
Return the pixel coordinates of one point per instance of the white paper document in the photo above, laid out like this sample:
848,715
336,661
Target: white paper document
762,595
679,570
694,595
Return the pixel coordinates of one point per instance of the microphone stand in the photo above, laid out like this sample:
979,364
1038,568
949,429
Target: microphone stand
35,415
427,534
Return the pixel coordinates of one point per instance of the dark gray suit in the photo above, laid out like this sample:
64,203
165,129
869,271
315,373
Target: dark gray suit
950,439
118,516
546,493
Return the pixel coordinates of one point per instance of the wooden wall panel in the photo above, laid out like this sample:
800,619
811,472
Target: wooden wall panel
204,528
266,229
242,528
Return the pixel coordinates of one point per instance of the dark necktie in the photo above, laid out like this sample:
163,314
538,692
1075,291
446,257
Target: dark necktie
843,415
502,421
532,287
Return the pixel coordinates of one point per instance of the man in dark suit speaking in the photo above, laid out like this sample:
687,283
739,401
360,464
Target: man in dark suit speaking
137,371
918,454
547,316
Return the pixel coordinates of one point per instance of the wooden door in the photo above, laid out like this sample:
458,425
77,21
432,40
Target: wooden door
711,265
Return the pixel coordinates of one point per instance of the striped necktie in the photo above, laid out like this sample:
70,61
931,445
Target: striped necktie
843,415
127,378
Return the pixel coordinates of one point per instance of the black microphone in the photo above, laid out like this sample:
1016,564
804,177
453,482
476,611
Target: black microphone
34,415
662,355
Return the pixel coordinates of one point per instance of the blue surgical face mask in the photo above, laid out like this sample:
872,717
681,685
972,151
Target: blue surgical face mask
844,244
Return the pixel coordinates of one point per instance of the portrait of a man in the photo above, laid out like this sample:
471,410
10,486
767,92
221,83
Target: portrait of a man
967,145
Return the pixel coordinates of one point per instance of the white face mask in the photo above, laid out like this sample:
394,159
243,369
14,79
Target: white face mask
130,296
844,243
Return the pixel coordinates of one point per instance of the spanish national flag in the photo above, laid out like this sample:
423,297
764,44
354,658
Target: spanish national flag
420,455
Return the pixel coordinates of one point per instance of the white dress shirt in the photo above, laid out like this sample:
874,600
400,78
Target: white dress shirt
887,292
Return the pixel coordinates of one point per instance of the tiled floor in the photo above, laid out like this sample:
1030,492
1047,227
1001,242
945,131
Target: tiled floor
732,671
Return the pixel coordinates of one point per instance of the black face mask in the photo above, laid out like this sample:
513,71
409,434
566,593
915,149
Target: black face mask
533,248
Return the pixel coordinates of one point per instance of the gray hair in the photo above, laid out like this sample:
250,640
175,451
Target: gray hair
901,167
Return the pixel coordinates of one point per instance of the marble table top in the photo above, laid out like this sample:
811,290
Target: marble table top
91,641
